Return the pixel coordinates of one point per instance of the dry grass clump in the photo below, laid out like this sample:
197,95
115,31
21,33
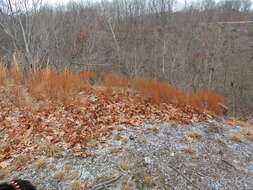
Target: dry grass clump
67,167
3,74
117,137
48,149
207,100
234,121
77,185
4,173
126,183
194,134
141,140
49,83
22,160
152,130
235,137
53,150
88,77
110,81
40,164
93,143
115,150
113,81
122,164
248,133
59,176
124,140
189,150
15,73
220,141
150,180
173,125
73,174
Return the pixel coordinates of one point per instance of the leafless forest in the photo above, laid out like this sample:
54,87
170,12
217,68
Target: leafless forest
205,45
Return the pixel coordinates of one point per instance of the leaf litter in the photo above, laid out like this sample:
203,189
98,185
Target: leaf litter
116,142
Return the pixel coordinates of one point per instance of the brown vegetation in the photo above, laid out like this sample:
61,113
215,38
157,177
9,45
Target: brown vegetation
52,107
189,150
236,137
64,87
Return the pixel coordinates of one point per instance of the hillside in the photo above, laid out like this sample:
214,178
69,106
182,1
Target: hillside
205,45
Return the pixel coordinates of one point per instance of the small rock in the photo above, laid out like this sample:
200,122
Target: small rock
172,154
147,160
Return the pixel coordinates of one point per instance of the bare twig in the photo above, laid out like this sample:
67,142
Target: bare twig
226,162
237,22
123,171
202,175
183,176
104,184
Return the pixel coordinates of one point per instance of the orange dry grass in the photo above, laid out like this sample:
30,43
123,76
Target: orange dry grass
141,85
52,84
16,73
64,86
12,79
206,100
88,76
114,82
110,80
161,93
164,93
3,74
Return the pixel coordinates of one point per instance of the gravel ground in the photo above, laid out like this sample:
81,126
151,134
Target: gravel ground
203,155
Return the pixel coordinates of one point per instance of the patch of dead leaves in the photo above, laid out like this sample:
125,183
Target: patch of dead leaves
26,129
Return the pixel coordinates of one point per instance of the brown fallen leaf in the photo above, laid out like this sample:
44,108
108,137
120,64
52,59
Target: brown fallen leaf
82,154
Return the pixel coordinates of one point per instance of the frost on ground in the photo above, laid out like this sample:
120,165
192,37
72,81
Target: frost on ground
207,155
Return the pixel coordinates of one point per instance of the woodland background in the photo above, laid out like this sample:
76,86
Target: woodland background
206,45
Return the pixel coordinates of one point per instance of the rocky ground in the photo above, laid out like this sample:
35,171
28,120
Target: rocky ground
205,155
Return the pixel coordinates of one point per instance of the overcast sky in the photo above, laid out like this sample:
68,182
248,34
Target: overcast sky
180,3
65,1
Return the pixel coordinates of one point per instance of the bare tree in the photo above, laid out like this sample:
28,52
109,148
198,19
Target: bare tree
17,22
